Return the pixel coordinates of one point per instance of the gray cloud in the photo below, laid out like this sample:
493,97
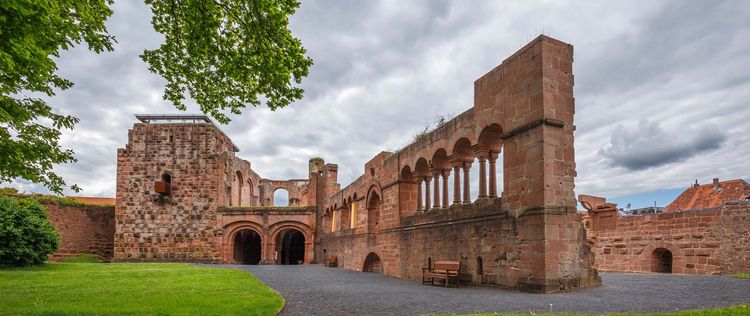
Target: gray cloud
385,68
648,145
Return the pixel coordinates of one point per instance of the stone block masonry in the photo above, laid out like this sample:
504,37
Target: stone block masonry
86,229
399,216
701,241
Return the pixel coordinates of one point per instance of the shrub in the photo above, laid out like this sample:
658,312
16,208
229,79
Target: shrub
26,234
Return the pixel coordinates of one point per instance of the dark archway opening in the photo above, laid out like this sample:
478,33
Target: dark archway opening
372,263
661,261
247,247
291,247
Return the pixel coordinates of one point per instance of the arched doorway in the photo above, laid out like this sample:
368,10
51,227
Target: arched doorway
372,263
661,261
247,247
290,247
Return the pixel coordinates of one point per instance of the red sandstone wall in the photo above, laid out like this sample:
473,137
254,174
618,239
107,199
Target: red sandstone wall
83,230
708,241
181,226
524,107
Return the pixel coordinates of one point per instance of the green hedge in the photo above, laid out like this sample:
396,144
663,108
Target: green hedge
26,234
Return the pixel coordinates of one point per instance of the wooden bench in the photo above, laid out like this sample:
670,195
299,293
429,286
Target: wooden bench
445,270
332,261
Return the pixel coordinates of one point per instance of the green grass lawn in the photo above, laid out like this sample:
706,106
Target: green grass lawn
743,275
134,288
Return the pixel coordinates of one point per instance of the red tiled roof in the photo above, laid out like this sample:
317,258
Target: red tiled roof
94,200
706,196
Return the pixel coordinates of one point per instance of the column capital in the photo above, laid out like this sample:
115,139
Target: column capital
466,165
480,151
493,156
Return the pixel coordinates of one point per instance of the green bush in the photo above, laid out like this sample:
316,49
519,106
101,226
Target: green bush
26,234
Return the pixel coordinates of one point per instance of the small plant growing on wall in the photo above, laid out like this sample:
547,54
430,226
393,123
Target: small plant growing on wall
26,234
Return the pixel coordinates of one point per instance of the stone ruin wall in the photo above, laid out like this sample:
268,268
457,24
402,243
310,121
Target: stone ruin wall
702,241
531,238
187,225
87,229
181,226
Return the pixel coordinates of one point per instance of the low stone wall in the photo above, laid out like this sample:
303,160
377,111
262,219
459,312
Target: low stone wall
705,241
83,229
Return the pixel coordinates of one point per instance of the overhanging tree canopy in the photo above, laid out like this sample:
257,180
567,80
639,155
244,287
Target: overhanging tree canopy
225,54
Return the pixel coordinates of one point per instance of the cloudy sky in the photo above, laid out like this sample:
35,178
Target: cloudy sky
662,88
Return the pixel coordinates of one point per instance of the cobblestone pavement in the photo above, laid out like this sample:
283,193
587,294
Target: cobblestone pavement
316,290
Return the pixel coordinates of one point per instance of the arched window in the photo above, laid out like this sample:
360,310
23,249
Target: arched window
281,197
237,185
250,189
353,219
373,212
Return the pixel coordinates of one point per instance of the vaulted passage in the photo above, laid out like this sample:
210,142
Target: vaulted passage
661,261
247,247
290,247
373,264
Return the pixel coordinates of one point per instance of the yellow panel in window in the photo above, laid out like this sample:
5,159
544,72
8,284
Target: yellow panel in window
353,219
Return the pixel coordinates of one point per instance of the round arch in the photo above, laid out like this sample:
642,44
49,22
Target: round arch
440,160
282,255
281,200
462,150
237,188
422,168
234,231
647,257
491,138
373,203
372,263
250,192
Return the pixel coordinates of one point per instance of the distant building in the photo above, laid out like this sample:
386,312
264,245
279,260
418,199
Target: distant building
645,210
711,195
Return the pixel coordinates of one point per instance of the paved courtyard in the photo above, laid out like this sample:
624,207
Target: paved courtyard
315,290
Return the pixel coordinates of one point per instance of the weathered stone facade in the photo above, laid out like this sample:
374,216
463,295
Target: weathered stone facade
529,237
212,195
398,216
696,241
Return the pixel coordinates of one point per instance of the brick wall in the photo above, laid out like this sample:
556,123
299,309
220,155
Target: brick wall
704,241
83,230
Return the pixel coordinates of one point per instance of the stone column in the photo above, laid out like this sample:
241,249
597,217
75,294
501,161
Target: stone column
492,158
445,174
482,157
467,183
419,193
456,183
427,192
436,175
